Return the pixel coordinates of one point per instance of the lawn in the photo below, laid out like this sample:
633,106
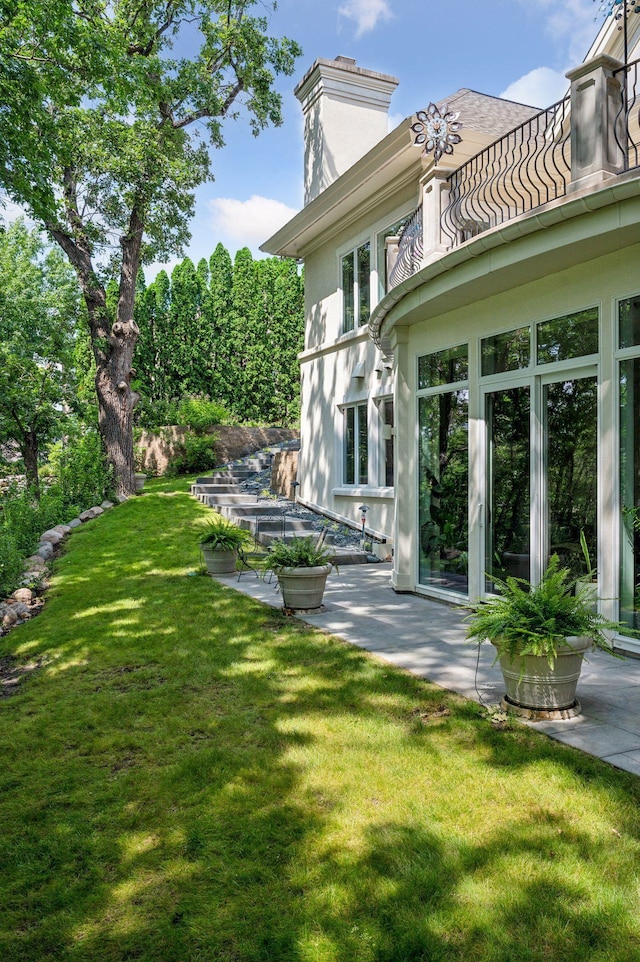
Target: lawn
189,775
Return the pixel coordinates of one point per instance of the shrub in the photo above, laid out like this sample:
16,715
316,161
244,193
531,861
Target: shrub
200,413
197,453
150,414
11,559
81,474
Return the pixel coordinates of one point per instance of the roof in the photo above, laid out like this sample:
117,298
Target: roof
485,119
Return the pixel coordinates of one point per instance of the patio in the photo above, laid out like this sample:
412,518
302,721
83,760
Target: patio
428,639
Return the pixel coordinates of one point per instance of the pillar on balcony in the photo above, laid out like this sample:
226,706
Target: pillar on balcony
391,250
434,190
596,102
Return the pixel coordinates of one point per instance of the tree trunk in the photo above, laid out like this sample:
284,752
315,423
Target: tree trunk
113,348
29,450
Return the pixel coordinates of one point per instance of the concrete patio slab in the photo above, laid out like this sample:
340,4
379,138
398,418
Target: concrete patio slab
427,638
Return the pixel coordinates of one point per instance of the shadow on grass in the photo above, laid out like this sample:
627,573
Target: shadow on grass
195,777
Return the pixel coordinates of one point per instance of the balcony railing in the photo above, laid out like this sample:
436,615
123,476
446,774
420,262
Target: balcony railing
410,250
628,121
526,168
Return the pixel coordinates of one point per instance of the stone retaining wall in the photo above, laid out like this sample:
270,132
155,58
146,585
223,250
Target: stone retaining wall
158,447
284,470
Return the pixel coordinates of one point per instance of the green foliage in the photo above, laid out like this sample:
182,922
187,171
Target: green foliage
82,476
200,413
222,534
78,478
11,561
297,553
156,414
231,332
40,313
197,453
100,142
527,619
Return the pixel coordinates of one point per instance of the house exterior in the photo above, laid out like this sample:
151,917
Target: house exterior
471,371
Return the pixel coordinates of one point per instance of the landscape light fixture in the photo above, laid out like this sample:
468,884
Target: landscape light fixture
363,518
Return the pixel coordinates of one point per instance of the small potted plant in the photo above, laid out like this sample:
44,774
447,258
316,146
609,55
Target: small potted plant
139,479
540,633
220,544
302,567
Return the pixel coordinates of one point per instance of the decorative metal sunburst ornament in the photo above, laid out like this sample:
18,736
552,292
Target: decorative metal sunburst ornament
617,8
436,130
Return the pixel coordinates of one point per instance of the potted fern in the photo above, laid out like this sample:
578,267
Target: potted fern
302,567
220,544
540,633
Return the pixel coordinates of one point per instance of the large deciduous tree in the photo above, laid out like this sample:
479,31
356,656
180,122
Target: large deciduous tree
99,124
40,312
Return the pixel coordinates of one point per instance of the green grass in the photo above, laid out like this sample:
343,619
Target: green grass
192,776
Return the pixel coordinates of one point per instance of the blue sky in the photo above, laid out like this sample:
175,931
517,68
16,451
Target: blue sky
519,49
514,48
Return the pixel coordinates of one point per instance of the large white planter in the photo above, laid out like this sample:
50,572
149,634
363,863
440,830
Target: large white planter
303,588
532,684
219,562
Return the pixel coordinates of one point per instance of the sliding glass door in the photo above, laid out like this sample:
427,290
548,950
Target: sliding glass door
541,484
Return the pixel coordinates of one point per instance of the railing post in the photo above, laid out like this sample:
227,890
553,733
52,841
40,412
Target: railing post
391,249
434,190
596,108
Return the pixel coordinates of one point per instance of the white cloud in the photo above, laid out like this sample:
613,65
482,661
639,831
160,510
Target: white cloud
365,13
538,88
250,221
573,24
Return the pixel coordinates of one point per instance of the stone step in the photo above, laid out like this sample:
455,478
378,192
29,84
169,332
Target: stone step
216,489
268,537
269,525
219,500
251,511
222,476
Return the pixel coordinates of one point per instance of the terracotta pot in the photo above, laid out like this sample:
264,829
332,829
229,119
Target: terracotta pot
531,683
303,588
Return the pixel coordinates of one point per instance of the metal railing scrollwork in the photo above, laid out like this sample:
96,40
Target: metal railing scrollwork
627,124
410,250
528,167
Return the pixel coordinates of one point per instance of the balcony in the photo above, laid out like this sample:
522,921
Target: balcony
576,145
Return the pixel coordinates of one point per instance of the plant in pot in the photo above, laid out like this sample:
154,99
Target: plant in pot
302,567
540,633
220,544
588,582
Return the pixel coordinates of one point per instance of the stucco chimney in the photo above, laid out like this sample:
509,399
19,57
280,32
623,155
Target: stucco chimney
345,114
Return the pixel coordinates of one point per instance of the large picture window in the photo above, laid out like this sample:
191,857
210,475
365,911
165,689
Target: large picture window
356,293
356,445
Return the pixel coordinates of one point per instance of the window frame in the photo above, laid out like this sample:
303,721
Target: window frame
354,456
356,287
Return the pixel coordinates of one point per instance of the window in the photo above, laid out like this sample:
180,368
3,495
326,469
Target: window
356,294
443,465
386,415
629,337
356,445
